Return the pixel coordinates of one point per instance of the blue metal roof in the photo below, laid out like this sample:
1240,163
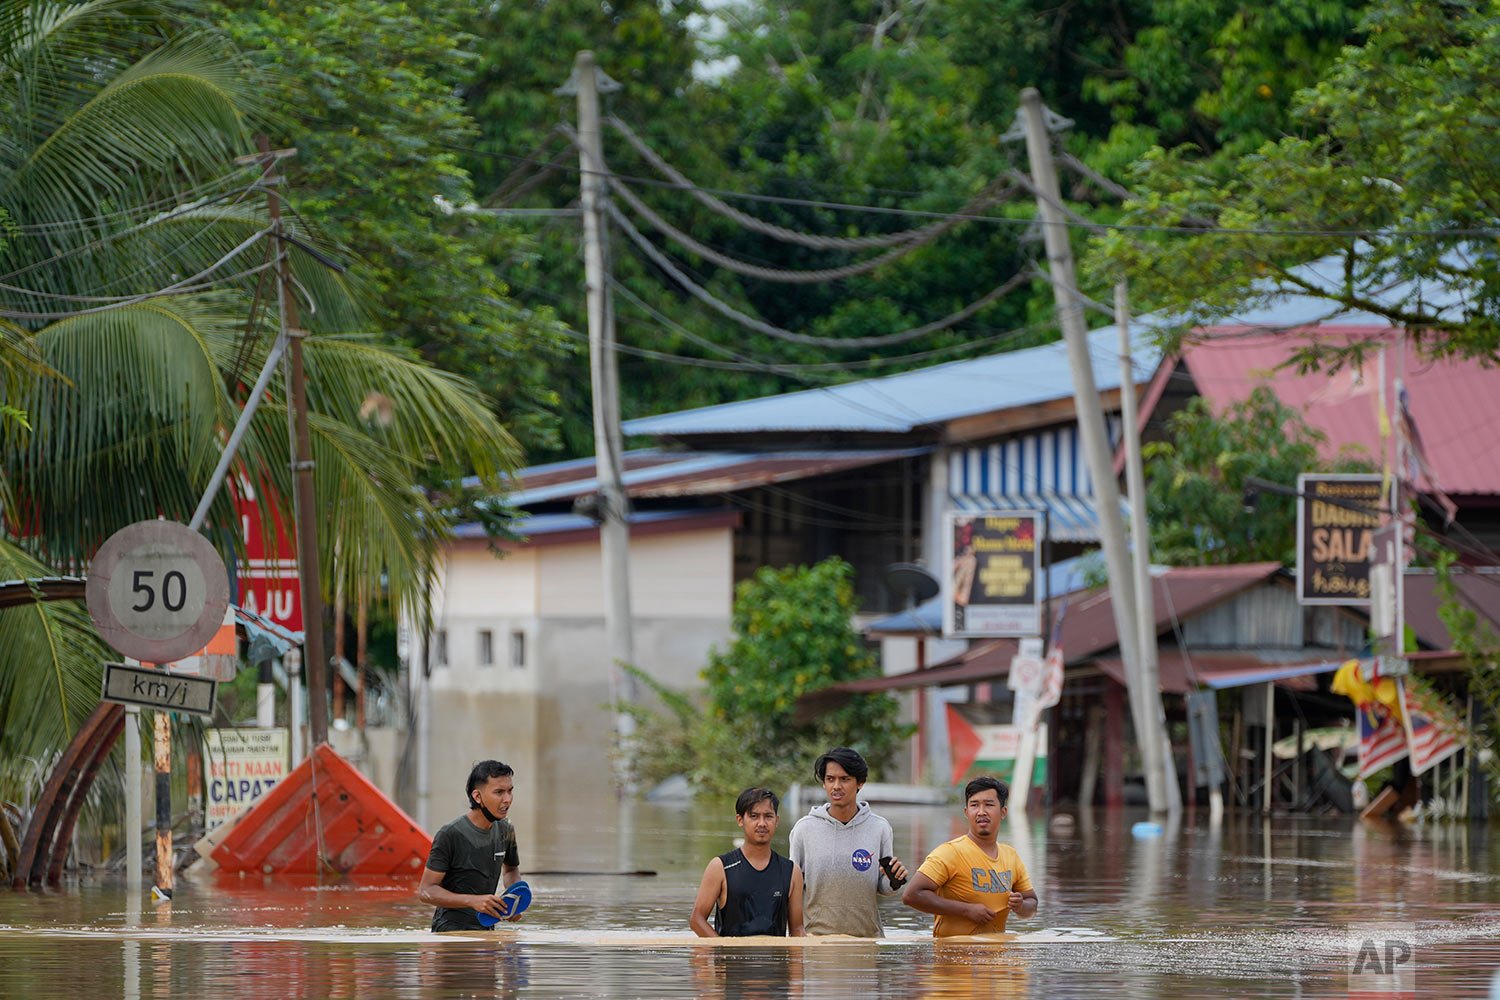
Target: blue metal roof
1285,307
904,402
901,403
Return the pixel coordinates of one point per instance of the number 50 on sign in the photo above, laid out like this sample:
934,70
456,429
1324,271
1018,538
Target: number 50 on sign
157,591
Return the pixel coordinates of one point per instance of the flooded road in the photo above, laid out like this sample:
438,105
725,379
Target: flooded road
1246,910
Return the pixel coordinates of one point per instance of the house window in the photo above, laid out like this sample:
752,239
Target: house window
440,654
486,647
518,650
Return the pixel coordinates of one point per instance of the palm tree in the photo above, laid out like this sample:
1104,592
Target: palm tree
132,251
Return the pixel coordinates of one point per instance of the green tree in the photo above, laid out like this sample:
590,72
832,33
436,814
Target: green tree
370,94
793,636
1389,175
128,279
1196,481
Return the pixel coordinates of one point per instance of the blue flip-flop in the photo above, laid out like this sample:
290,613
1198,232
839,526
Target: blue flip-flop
516,899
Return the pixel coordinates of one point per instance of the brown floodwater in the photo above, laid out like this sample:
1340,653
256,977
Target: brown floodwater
1248,909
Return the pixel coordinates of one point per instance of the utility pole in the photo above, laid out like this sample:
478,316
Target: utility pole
1095,439
613,510
1140,541
304,499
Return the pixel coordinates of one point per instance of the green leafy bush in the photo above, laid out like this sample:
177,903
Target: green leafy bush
792,635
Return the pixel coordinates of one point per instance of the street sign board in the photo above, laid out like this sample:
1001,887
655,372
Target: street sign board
268,581
159,689
242,765
157,591
1337,515
990,577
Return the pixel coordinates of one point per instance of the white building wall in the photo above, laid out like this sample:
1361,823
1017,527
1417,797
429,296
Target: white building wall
549,716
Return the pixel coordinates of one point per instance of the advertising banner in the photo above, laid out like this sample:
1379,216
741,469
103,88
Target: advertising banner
990,580
241,766
1337,516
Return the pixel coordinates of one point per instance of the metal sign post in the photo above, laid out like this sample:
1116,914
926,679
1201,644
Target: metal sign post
157,591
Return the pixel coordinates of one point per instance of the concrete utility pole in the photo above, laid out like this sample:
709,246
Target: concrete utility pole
613,504
1095,440
302,466
1140,541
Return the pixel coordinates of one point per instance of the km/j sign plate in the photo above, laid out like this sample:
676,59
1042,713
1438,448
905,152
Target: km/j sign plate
159,689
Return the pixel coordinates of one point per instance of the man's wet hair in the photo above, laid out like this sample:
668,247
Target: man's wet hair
752,797
846,757
983,782
483,772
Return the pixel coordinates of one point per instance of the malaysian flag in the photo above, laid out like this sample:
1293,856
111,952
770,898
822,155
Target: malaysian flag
1432,731
1382,741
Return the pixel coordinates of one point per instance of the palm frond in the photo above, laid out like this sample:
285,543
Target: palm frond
50,660
132,432
176,109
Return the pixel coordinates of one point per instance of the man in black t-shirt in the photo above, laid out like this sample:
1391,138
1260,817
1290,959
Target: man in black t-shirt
471,854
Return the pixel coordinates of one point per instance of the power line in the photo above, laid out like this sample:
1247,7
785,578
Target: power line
750,322
993,192
1192,227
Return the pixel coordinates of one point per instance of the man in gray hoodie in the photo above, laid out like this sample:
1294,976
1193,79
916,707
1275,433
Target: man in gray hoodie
846,852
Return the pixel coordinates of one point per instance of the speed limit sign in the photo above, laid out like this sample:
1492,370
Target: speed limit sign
157,591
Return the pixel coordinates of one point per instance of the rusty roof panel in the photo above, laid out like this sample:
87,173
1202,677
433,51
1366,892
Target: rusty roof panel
661,474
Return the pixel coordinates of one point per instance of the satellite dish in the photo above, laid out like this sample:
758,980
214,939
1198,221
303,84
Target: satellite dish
911,581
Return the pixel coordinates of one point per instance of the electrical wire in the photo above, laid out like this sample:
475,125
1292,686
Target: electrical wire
776,274
192,283
750,322
996,190
1185,229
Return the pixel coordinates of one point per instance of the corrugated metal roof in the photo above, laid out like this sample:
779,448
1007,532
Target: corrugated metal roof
654,473
541,526
1284,308
1454,403
1088,629
1479,590
896,404
902,403
1179,674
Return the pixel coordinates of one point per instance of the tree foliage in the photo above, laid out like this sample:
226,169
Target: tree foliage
1196,482
130,273
1388,177
368,93
792,636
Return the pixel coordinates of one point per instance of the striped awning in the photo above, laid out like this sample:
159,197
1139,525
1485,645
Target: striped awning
1069,518
1040,470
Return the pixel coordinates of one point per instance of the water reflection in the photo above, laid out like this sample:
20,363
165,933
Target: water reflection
1249,908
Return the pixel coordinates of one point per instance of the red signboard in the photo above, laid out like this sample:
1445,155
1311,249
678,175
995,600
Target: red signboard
268,577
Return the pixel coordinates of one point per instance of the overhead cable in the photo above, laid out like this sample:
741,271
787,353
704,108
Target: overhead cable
996,190
750,322
192,283
780,275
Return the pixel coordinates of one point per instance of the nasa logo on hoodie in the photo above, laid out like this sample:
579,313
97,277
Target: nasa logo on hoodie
862,860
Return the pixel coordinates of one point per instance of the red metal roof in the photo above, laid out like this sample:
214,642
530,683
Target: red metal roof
1455,403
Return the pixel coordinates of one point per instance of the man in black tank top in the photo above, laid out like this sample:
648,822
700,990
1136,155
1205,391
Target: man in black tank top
752,889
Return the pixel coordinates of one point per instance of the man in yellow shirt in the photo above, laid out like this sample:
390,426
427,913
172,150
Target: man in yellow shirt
973,883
